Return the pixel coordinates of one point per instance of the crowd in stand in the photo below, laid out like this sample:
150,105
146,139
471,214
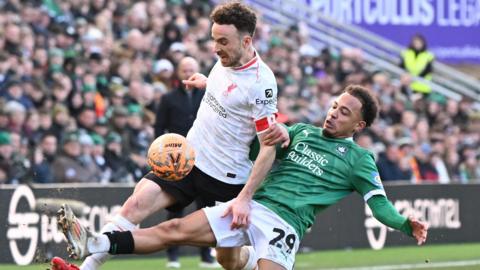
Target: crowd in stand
81,81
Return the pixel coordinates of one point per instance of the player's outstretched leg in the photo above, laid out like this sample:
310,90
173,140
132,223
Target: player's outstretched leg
147,198
237,258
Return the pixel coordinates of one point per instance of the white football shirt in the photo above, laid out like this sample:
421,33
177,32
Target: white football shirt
225,127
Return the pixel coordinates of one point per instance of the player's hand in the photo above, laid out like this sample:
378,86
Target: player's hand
276,134
419,230
240,211
197,80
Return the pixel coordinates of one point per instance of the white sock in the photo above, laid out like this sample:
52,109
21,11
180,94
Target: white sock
122,224
98,244
94,261
252,259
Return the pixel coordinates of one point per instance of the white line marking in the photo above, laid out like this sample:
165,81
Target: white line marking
413,266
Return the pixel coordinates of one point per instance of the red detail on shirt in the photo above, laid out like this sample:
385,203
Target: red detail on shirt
264,123
247,65
230,88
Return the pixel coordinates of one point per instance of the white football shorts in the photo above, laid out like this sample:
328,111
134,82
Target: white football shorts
271,237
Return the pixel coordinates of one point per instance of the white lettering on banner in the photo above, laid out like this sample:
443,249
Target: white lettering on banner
372,225
445,13
438,213
49,230
21,226
466,51
25,226
441,213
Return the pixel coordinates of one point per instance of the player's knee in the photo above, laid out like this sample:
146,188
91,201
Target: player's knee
131,206
229,262
170,231
174,224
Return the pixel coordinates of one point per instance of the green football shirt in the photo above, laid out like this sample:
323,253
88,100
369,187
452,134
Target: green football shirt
315,172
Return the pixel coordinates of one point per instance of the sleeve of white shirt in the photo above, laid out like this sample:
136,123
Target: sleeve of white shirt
263,98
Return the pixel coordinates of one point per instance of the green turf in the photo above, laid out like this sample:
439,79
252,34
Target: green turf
325,259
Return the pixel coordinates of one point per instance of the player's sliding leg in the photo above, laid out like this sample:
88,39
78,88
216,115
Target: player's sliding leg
264,264
193,230
146,199
237,258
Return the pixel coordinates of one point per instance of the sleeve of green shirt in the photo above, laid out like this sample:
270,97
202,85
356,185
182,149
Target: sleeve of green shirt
255,146
385,212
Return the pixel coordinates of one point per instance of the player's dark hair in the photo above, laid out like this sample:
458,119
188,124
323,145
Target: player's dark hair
368,100
237,14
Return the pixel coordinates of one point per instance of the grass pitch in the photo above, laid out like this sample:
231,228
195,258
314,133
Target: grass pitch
457,257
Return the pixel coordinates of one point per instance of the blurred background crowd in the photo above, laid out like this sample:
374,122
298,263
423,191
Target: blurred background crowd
81,83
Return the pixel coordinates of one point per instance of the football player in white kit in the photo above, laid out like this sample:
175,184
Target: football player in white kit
239,103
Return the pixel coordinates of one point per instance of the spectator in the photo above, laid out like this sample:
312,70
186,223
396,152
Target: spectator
389,165
87,119
162,72
43,158
422,165
86,157
117,163
118,122
6,153
171,34
17,115
98,155
13,166
101,127
469,168
138,139
15,92
177,109
31,128
60,120
3,118
418,61
68,168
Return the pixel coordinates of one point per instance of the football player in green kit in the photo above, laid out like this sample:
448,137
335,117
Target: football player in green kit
272,212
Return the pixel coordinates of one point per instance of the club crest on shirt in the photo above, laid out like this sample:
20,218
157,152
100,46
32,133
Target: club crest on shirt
341,149
230,88
306,132
376,178
268,93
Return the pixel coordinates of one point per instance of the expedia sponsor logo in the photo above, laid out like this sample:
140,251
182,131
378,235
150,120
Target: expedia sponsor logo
173,145
265,101
268,93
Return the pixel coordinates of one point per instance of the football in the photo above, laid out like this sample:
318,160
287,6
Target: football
171,157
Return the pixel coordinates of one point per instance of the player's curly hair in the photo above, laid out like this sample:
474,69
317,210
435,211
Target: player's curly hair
368,100
237,14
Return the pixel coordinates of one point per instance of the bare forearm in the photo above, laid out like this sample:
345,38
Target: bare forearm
260,169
